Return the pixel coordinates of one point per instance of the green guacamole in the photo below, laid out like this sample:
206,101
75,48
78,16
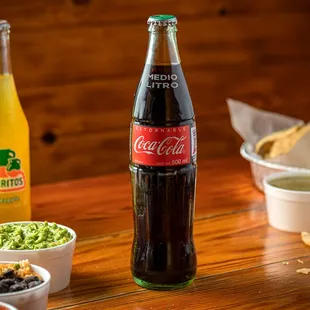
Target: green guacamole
32,236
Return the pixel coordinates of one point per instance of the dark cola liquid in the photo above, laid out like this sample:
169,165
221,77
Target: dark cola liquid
163,252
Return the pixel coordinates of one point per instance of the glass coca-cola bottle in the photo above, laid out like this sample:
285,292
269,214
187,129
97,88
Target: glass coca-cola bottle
163,166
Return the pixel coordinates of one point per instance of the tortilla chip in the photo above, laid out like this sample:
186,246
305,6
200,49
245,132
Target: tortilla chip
280,142
303,270
305,236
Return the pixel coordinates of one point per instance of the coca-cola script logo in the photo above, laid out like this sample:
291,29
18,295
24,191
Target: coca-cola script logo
153,146
170,145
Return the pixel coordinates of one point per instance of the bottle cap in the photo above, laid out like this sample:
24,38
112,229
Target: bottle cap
4,25
162,20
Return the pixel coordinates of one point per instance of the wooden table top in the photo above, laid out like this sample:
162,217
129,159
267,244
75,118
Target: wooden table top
240,257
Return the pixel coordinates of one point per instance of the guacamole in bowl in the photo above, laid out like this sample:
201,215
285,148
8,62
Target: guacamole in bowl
32,236
45,244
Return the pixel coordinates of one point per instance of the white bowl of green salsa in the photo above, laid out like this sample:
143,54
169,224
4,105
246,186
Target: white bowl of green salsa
288,201
48,245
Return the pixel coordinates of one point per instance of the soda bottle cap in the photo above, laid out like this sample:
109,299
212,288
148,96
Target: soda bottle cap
4,25
162,20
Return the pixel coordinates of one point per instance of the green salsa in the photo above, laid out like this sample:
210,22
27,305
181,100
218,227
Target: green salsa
296,183
32,236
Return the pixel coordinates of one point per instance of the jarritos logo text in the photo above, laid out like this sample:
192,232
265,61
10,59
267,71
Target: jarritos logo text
12,177
161,146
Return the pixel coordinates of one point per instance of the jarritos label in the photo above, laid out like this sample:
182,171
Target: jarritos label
12,177
161,146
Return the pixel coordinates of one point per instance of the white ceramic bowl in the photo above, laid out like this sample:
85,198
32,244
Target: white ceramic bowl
7,306
32,299
57,260
288,210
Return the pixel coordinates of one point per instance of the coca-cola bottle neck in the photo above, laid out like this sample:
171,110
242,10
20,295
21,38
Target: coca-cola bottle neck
163,47
5,58
162,97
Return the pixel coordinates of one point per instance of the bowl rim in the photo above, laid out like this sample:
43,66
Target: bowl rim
8,306
247,153
25,292
70,230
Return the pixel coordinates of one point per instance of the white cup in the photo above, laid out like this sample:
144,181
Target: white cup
57,260
288,210
32,299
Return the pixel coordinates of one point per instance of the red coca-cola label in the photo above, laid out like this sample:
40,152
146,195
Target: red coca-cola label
161,146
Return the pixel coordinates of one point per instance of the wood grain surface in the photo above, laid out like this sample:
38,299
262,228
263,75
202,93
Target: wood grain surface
225,243
240,257
103,205
273,286
77,64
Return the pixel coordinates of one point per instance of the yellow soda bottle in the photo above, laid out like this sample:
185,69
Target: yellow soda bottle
14,142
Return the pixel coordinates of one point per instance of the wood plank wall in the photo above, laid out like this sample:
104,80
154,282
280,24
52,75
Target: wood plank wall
77,64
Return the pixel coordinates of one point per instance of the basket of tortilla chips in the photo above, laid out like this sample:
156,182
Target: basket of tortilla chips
272,142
